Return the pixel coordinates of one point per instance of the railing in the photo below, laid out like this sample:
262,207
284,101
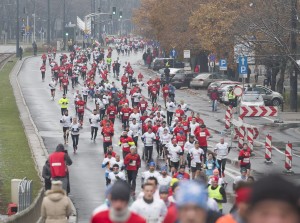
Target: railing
25,194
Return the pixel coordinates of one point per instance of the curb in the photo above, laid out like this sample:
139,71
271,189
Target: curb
35,141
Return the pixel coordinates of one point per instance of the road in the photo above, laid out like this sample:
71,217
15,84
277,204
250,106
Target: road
86,174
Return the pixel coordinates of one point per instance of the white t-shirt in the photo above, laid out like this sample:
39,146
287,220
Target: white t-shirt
188,146
152,213
221,150
108,166
238,179
164,181
171,107
148,138
195,156
137,116
147,174
161,129
134,128
173,152
120,163
66,121
165,138
94,120
193,127
114,177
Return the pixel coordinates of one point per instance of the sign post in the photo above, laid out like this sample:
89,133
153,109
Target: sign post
173,54
243,68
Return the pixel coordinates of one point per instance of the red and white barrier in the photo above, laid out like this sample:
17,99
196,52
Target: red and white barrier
288,157
250,138
228,116
241,137
268,147
258,111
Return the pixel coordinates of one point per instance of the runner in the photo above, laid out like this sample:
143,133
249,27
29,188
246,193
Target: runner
75,127
64,103
52,86
94,120
222,151
43,70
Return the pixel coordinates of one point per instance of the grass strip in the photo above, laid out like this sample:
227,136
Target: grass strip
16,161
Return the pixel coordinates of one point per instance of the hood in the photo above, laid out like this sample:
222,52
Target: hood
55,195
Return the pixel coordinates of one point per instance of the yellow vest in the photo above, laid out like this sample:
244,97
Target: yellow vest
216,194
64,102
230,95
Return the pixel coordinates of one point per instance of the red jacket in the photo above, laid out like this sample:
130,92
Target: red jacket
143,105
135,163
57,164
125,143
179,113
201,137
65,81
43,68
165,91
244,157
124,81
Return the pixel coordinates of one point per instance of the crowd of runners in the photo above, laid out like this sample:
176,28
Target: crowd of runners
157,130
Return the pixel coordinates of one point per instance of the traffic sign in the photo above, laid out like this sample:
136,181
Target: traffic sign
186,54
173,53
238,91
243,66
258,111
223,64
212,57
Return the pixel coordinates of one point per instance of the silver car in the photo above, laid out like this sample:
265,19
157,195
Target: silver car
204,79
270,97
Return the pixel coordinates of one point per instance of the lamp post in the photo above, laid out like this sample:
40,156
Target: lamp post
48,24
64,24
18,30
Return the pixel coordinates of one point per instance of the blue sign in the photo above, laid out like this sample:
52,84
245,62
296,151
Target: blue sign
212,57
173,53
223,64
86,36
243,66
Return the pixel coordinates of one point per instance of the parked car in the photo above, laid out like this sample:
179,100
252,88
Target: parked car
182,79
159,63
252,99
204,79
224,91
220,85
270,97
173,71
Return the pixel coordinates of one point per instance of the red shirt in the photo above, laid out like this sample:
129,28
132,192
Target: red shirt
181,139
143,105
103,217
154,91
124,142
43,68
65,81
177,130
244,157
140,76
80,105
171,216
107,133
201,137
126,113
165,91
124,81
179,113
150,83
111,111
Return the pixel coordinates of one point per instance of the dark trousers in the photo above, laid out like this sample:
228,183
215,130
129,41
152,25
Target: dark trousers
85,98
75,139
63,111
106,145
132,179
148,152
169,117
153,99
125,123
43,75
102,113
124,154
65,89
205,152
135,140
94,131
222,164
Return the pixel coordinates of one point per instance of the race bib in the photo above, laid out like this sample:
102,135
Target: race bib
80,107
180,143
107,138
133,163
177,115
246,160
125,145
142,105
185,127
126,114
111,113
210,166
166,91
202,134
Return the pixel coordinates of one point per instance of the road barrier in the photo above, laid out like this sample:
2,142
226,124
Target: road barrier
25,194
250,138
288,158
241,136
268,147
228,117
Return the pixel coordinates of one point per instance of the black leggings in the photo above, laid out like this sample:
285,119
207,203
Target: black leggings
94,131
75,139
148,152
102,113
222,164
132,179
65,89
169,117
43,75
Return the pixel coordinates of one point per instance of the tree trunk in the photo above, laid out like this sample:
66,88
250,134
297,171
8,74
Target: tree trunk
273,81
281,77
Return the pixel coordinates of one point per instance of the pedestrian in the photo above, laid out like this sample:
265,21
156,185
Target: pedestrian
46,174
118,211
132,163
164,179
256,72
274,199
152,210
150,173
244,158
202,135
43,70
171,107
34,46
242,177
126,142
116,174
107,164
59,161
52,86
107,133
56,205
197,157
211,164
20,52
214,97
75,127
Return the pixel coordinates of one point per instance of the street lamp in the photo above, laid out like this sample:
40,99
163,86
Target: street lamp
18,30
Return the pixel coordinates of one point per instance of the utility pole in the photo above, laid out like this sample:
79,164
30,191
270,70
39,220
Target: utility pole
64,25
48,24
294,72
18,30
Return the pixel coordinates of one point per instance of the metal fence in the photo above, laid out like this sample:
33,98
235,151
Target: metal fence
25,194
